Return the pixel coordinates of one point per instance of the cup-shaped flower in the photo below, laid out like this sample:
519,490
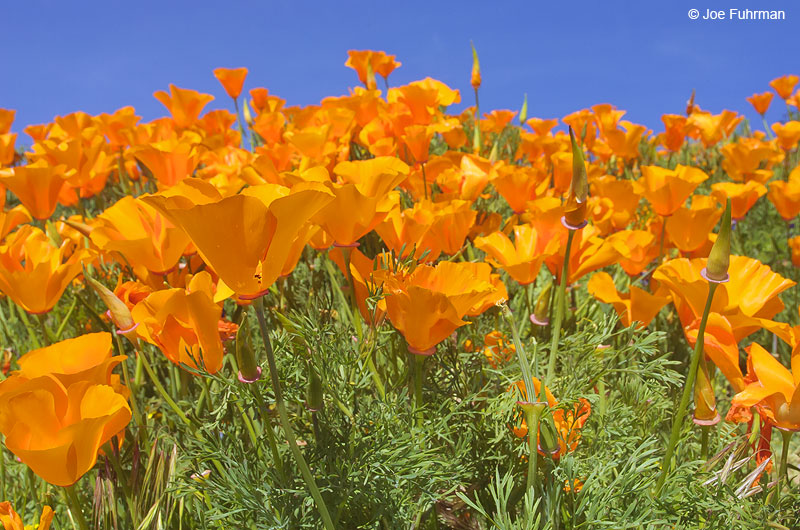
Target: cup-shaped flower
742,196
231,79
760,102
784,85
37,186
56,430
667,189
688,228
141,234
775,390
428,304
246,238
184,104
519,259
636,306
33,272
361,199
183,323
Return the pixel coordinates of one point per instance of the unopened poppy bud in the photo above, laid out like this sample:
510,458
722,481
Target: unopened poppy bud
475,80
371,83
476,136
541,313
120,314
575,213
690,105
248,117
548,440
705,404
249,370
523,112
493,154
718,260
313,390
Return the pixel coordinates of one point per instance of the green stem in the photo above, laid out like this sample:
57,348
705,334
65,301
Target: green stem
267,428
783,475
161,390
677,422
704,429
532,415
284,417
75,507
561,295
419,366
137,415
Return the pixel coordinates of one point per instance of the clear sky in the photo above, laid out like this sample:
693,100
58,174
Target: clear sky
642,56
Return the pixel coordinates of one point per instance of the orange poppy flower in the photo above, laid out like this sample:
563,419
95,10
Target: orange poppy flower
785,195
7,152
742,196
141,234
794,246
568,421
10,219
183,323
6,119
637,249
636,306
519,259
36,185
498,348
774,390
363,194
245,238
783,86
417,139
169,161
57,430
231,79
688,228
33,272
624,196
667,189
748,300
185,105
57,440
750,159
380,62
427,305
761,102
713,128
674,131
788,134
519,184
361,269
589,253
432,227
12,521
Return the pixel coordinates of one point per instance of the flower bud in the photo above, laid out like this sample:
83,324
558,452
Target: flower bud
120,314
541,313
523,112
248,117
313,390
475,80
718,260
690,105
249,371
575,213
705,404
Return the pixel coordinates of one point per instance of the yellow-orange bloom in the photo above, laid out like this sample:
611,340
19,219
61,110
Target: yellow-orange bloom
231,79
636,306
37,186
519,259
141,234
761,102
183,323
667,189
785,195
169,161
379,62
742,196
184,104
62,406
33,272
775,390
788,134
12,521
246,238
784,85
427,305
688,228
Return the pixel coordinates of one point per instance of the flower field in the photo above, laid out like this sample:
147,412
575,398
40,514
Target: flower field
376,313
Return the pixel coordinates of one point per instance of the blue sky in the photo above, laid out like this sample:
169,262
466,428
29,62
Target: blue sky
644,57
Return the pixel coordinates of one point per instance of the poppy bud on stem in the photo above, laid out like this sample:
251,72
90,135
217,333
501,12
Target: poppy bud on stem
475,81
716,272
249,371
574,219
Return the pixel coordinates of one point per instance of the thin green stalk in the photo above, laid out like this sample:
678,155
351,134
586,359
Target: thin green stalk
560,303
65,319
419,367
311,483
704,430
532,415
688,387
137,415
75,507
161,390
267,428
111,451
783,475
